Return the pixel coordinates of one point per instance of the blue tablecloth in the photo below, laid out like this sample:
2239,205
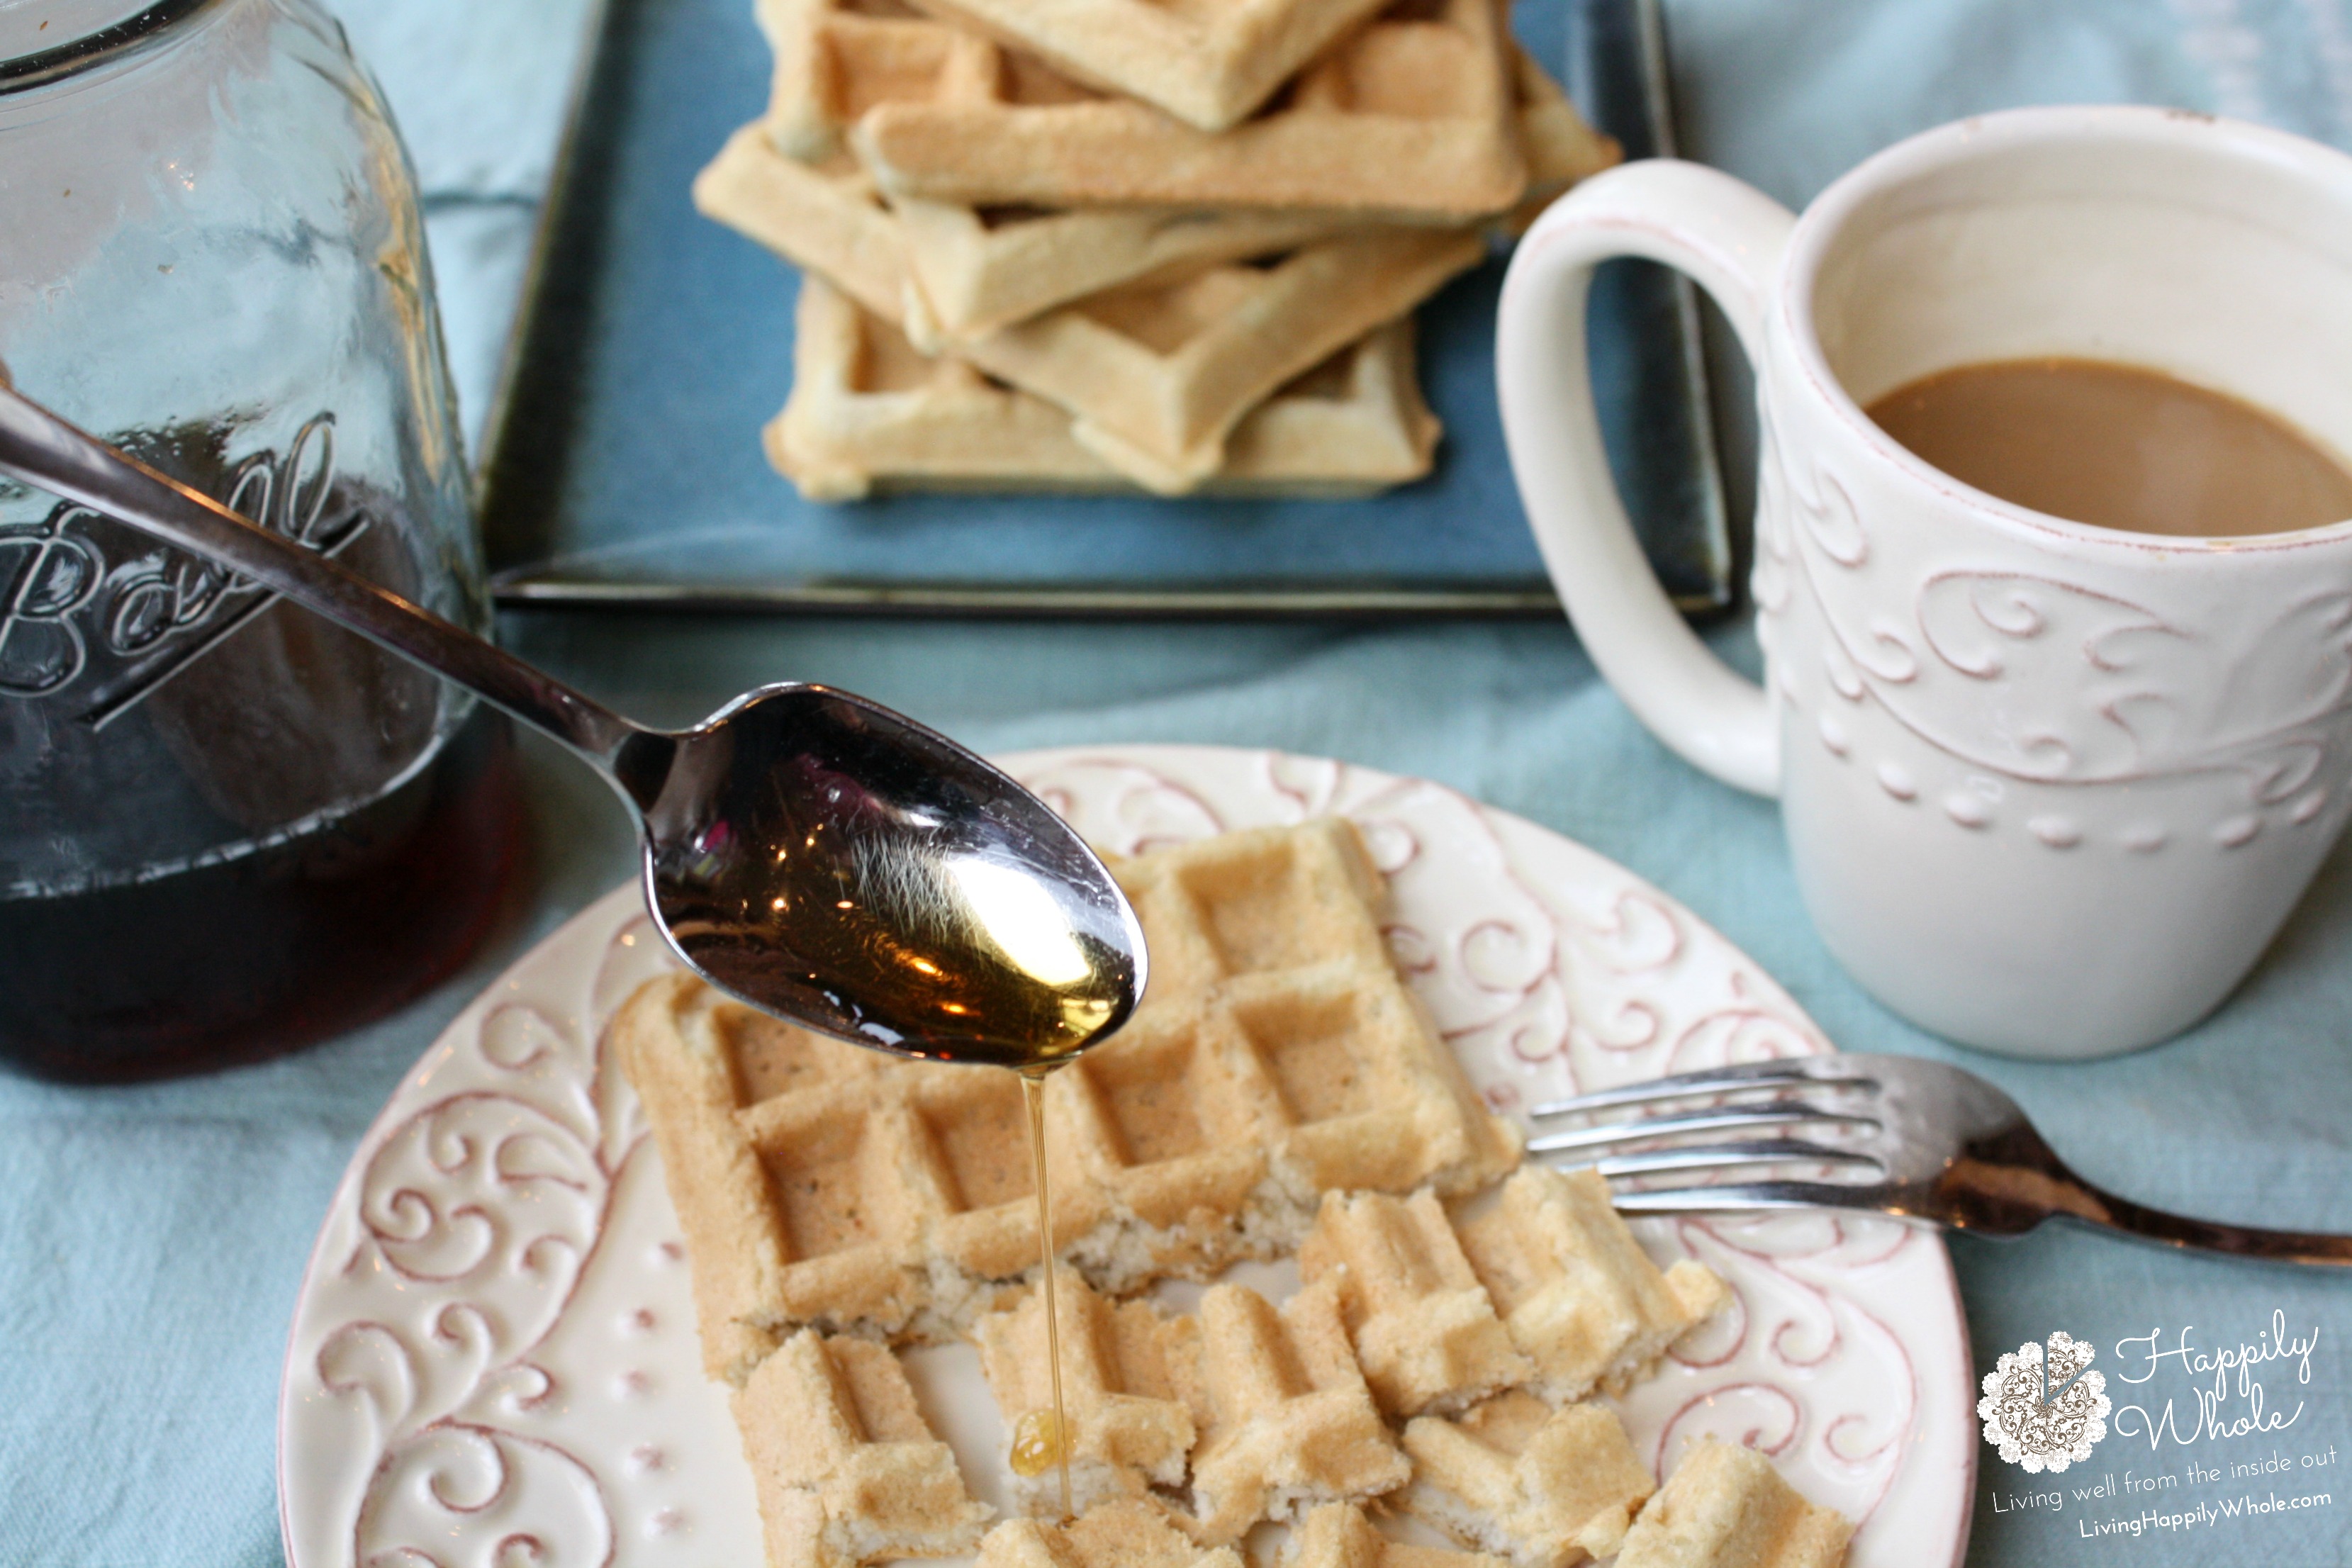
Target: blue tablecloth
152,1239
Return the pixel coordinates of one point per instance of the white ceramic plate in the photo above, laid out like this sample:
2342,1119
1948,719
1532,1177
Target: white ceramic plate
493,1359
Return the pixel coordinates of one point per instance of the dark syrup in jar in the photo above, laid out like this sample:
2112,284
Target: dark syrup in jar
222,964
230,829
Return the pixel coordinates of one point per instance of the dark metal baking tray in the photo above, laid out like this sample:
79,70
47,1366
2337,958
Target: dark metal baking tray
623,465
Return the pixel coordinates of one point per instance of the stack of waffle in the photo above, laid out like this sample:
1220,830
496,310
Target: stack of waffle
1279,1091
1086,245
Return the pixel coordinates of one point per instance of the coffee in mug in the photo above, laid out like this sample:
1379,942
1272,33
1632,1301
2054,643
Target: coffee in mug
2117,446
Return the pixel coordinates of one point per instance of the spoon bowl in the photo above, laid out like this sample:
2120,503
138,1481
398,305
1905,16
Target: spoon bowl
818,855
812,853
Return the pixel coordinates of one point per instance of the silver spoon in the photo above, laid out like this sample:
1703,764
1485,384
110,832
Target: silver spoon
811,852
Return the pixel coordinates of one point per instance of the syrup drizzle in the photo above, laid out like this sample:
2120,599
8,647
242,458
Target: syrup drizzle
1039,1442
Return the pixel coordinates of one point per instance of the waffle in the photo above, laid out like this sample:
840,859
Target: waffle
1726,1507
1276,1056
1210,65
979,270
1561,148
1285,1420
1412,117
1268,967
958,273
867,411
1129,1428
1338,1535
846,1468
1129,1534
1577,1292
1543,1487
1425,1333
985,267
1155,374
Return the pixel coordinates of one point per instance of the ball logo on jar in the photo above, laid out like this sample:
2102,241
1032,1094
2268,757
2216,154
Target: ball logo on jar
66,608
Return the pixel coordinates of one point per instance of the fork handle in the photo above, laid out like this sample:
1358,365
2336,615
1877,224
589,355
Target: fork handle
2107,1212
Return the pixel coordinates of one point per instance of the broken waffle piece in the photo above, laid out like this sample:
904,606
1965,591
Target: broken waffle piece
1128,1427
1285,1420
845,1470
1208,65
1544,1488
1424,1328
1338,1535
1269,965
820,1182
1726,1507
1127,1534
1412,116
1579,1295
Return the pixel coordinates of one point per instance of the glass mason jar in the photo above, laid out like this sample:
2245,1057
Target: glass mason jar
227,829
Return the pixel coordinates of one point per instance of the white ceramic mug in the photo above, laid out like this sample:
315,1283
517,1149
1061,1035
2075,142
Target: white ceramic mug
2050,789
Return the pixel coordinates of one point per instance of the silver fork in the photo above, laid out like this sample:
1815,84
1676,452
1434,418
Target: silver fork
1917,1139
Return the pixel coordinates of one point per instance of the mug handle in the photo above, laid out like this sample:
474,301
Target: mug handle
1728,236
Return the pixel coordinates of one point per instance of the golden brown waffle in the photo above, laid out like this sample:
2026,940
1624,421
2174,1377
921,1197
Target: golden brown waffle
1131,1534
1156,375
959,273
1127,1426
1338,1535
821,1183
1274,1056
1209,64
1414,116
1424,1330
846,1469
1544,1488
1285,1420
1579,1295
837,59
979,270
1726,1507
1303,1054
867,411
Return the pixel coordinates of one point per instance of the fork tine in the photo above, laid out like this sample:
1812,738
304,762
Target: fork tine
1789,1072
1712,1156
1749,1196
1723,1117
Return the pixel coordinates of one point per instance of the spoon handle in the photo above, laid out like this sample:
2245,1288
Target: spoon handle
42,449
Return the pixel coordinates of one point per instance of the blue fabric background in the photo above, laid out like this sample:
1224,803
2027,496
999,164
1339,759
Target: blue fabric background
152,1239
